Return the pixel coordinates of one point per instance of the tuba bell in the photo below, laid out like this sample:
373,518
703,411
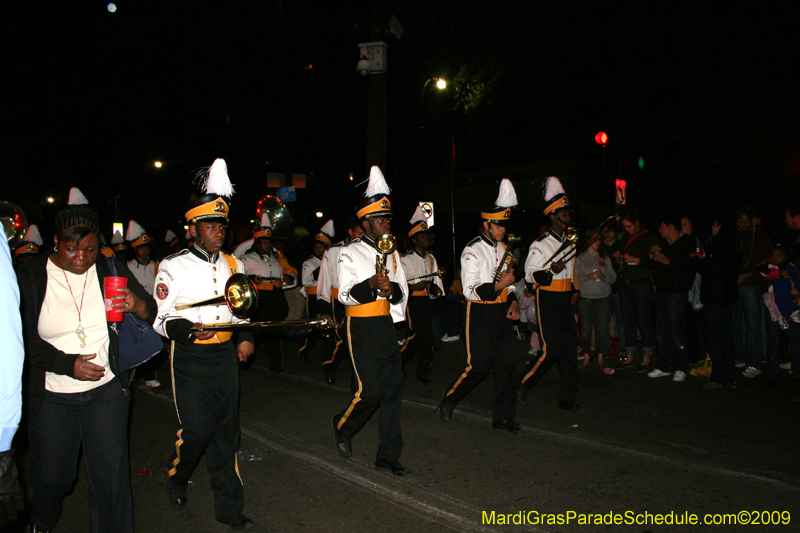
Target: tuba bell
240,296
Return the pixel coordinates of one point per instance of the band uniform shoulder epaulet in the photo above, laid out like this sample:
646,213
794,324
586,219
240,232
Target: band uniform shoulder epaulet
182,252
336,245
474,241
542,237
310,257
354,241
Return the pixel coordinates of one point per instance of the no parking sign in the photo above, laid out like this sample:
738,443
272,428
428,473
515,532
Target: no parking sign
427,208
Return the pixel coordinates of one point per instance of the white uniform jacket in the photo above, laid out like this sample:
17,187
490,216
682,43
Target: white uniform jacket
357,264
144,274
328,280
479,262
540,251
417,264
311,267
272,265
190,276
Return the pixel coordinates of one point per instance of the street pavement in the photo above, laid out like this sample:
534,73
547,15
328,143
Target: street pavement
642,446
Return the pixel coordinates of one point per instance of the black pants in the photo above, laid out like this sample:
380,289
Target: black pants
97,420
376,361
313,335
272,305
205,381
718,321
420,321
490,347
559,336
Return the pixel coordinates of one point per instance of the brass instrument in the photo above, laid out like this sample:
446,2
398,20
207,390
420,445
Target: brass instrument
416,279
318,323
583,244
571,237
387,244
240,296
14,223
507,256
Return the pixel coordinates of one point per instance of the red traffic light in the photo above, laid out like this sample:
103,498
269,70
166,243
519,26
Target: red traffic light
601,138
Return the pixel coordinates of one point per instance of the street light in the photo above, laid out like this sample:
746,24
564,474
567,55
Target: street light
157,164
50,200
319,214
441,84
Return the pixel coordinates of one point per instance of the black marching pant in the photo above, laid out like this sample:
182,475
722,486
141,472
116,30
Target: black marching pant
376,360
205,386
336,348
490,347
97,420
313,335
272,305
420,321
559,336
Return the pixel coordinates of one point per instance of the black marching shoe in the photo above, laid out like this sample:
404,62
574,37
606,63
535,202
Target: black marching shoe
394,467
512,427
36,527
330,376
177,494
521,393
575,407
238,522
342,446
445,409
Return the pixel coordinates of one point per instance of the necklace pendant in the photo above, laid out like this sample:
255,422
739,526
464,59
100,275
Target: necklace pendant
80,332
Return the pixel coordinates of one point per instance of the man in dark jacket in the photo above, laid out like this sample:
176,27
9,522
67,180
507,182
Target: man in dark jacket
674,264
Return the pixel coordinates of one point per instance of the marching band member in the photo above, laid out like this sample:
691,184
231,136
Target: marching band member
29,248
205,372
555,298
373,291
310,274
119,247
491,309
420,262
271,272
173,242
142,267
335,348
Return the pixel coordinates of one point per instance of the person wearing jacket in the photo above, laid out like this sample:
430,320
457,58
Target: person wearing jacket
76,395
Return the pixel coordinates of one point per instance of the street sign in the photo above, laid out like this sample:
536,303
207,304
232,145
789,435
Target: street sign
427,208
287,194
622,192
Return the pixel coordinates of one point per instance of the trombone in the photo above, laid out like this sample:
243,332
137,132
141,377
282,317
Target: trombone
240,296
318,323
416,279
581,245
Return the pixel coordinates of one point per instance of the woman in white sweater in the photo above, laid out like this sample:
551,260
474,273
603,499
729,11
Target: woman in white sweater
594,275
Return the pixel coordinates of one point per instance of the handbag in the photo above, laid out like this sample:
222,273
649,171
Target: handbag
138,341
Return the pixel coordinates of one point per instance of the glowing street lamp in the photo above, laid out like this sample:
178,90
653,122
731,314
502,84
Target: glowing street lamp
319,214
50,200
157,164
441,84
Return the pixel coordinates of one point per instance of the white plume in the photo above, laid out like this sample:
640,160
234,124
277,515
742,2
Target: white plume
552,186
242,248
33,235
76,197
507,197
266,222
216,180
170,236
419,216
327,229
134,231
377,183
117,238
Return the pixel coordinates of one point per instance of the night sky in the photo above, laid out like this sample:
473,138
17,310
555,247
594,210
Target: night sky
703,94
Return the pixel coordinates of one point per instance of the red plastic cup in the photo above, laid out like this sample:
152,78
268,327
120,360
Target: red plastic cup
111,285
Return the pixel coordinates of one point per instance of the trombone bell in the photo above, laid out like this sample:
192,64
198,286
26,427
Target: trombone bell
240,296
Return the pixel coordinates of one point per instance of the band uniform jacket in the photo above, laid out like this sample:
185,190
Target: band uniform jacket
145,274
272,265
328,280
357,263
416,264
540,251
310,273
479,262
187,277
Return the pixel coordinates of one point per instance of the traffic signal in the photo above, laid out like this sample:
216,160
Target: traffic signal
601,138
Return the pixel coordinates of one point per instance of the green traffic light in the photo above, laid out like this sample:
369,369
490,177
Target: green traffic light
641,163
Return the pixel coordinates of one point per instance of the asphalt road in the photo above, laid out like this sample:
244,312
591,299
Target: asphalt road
643,446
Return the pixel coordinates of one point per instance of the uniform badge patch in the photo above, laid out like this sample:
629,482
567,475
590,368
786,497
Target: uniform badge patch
162,291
